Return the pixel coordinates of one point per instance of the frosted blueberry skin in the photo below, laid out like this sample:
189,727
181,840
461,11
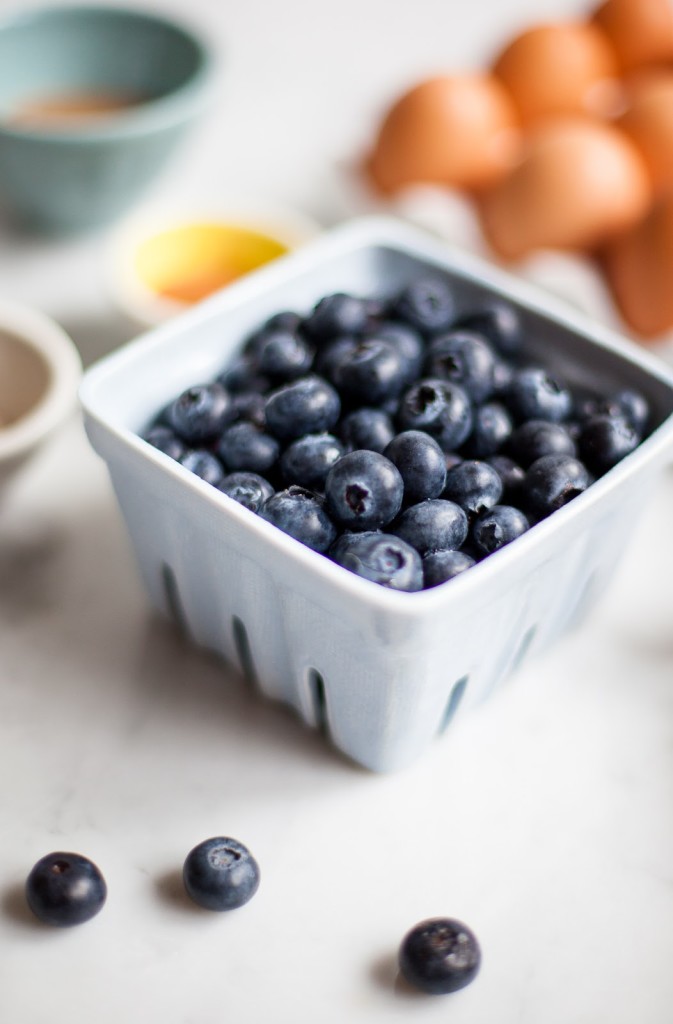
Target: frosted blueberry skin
366,428
512,476
244,446
440,566
552,481
408,342
364,491
421,464
534,394
336,314
309,405
473,485
499,526
65,889
308,460
203,464
535,438
249,489
283,356
439,956
464,359
381,558
426,304
434,525
200,413
498,321
371,373
491,430
301,514
166,441
438,407
606,440
220,874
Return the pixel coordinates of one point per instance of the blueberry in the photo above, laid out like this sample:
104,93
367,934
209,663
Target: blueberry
473,485
286,320
534,394
282,355
491,429
373,371
330,355
308,460
200,412
364,491
535,438
499,526
605,440
434,525
220,874
166,440
301,514
381,558
366,428
634,406
248,489
426,304
512,476
244,446
440,566
204,465
65,889
502,377
552,481
464,359
306,406
336,314
440,955
408,342
499,322
421,463
249,406
242,375
438,407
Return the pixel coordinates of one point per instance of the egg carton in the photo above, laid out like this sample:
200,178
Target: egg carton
381,673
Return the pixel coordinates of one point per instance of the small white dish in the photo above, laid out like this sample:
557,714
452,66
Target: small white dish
162,253
40,370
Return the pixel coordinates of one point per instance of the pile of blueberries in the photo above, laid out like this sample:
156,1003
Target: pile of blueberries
401,440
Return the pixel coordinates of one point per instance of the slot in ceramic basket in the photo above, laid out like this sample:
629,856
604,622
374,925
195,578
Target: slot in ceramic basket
382,672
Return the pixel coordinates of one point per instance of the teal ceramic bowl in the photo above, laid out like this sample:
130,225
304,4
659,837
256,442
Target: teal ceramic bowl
93,100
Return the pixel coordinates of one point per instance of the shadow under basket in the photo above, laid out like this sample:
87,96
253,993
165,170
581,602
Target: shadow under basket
380,673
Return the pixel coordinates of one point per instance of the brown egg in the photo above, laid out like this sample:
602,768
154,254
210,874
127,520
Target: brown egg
564,68
580,182
460,131
639,270
648,121
641,31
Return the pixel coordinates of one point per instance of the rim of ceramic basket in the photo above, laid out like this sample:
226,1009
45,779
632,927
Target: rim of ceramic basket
43,335
152,115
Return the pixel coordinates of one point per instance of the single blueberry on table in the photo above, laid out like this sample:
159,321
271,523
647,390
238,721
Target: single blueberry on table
433,525
301,514
282,355
166,440
364,491
372,372
534,394
336,314
491,430
221,874
440,566
464,359
200,412
426,304
535,438
552,481
439,956
243,446
366,428
203,464
421,463
438,407
606,440
499,526
306,406
473,485
381,558
249,489
65,889
498,321
308,460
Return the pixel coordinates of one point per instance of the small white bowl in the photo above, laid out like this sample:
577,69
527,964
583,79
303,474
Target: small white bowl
161,228
40,370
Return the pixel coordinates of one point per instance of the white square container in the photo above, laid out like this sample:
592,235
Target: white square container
381,672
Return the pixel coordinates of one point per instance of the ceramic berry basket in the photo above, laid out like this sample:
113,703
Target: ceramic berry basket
381,672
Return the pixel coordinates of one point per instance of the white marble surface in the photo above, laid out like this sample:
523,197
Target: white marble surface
544,819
